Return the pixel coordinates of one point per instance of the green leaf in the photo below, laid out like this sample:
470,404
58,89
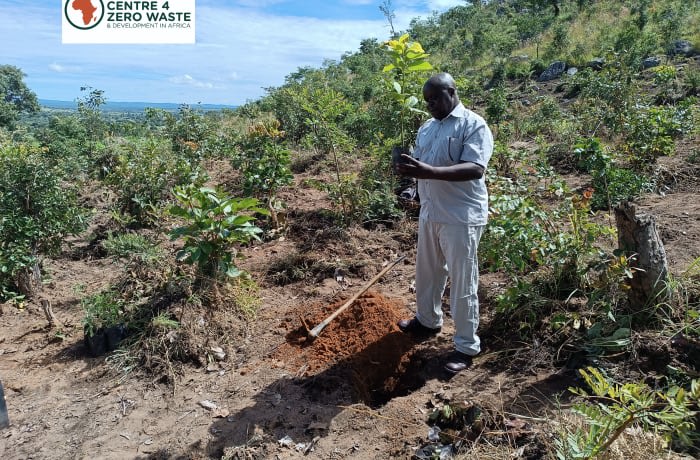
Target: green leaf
388,68
419,67
416,48
411,101
177,211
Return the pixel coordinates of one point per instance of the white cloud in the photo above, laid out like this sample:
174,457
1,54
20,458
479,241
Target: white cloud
190,81
60,68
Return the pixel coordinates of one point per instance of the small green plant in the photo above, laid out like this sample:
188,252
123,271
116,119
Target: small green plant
246,296
691,82
607,95
591,155
408,63
324,109
517,228
664,74
265,164
651,131
131,245
215,222
610,408
190,133
611,183
102,310
497,105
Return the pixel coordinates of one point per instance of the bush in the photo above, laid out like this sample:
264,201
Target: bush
215,223
37,210
265,164
142,175
651,131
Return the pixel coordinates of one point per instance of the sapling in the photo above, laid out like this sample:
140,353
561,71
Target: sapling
408,64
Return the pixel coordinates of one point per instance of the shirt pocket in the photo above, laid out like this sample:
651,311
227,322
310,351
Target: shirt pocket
452,150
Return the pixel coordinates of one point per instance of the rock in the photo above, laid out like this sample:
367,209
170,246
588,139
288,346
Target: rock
596,63
218,353
652,61
520,58
681,47
555,70
209,405
571,71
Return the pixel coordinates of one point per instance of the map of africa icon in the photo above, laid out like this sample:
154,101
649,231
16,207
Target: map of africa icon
87,8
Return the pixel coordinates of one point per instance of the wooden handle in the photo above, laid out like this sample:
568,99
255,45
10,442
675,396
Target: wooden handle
317,330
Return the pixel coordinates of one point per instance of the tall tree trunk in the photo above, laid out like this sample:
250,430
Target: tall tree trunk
638,238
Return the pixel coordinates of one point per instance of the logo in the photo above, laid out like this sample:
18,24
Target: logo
84,14
128,22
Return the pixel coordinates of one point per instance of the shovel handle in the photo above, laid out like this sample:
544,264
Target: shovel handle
313,333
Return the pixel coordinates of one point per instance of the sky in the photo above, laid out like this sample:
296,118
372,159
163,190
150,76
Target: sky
241,47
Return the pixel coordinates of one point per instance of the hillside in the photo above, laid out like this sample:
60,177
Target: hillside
139,338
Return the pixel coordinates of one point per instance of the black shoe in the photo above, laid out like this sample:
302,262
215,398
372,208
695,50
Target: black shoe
457,362
416,329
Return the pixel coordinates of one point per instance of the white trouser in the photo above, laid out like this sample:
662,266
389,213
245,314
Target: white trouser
444,250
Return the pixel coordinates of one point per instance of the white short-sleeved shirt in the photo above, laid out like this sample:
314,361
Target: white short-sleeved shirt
462,136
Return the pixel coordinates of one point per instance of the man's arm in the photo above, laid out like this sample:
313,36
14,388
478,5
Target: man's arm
459,172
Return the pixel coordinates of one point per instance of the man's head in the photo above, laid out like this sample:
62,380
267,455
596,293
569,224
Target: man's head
440,93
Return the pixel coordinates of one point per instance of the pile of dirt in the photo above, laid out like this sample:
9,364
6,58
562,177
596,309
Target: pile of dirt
362,344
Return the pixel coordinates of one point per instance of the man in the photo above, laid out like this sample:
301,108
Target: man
451,154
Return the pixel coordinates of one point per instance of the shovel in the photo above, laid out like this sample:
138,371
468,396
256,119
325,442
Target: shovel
313,333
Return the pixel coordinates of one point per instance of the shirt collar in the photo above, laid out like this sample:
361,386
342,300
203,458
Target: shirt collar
459,111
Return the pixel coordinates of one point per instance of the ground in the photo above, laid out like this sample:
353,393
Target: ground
361,389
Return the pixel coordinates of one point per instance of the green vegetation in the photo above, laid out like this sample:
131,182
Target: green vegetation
38,209
214,223
15,96
611,408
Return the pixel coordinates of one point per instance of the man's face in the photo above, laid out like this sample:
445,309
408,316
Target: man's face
440,100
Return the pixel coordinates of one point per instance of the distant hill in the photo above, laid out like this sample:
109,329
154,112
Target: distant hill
116,106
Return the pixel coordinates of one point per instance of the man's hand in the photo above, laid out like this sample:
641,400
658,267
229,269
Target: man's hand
460,172
409,166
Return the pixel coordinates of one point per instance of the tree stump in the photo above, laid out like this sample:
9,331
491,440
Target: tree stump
28,281
640,242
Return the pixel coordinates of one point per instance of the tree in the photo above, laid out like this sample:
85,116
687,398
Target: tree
15,96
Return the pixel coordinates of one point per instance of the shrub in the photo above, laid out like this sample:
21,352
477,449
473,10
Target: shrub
142,175
215,223
265,164
650,131
37,210
102,310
